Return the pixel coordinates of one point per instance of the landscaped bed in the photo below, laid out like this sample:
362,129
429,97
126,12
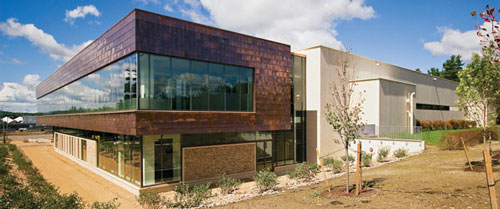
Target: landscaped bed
304,175
433,179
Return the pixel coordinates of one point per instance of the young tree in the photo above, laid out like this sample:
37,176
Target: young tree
479,90
344,111
418,70
451,67
488,30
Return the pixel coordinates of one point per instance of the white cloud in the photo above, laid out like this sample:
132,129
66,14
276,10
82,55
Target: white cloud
167,8
81,12
149,1
19,97
295,22
455,42
16,61
39,38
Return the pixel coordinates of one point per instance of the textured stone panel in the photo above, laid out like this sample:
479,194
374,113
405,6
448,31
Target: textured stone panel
206,162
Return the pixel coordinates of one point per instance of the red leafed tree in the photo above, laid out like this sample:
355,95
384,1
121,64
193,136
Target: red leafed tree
488,30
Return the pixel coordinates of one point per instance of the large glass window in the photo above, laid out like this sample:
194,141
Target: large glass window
168,83
110,88
117,154
162,159
298,98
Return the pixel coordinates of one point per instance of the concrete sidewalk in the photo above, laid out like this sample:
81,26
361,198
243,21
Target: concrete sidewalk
70,177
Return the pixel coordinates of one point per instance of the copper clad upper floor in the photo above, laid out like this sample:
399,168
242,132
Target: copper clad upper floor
257,70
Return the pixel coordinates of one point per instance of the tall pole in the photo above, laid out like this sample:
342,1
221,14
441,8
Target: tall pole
3,126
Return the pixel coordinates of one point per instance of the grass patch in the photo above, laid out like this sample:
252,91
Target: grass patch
434,137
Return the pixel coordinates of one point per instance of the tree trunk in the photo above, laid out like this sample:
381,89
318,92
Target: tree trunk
347,165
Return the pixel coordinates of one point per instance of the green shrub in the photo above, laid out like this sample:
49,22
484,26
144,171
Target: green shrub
400,153
112,204
366,159
227,184
304,171
383,152
150,200
266,180
347,159
333,164
186,197
452,141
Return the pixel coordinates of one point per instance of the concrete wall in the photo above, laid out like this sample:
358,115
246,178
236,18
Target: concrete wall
393,103
386,92
370,89
412,146
209,162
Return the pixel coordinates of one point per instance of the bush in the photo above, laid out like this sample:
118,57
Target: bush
266,180
150,200
428,125
347,159
106,205
227,184
452,141
186,197
366,159
383,152
438,125
400,153
304,171
333,164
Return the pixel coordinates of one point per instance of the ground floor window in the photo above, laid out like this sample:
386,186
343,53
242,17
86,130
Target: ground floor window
162,159
157,159
120,155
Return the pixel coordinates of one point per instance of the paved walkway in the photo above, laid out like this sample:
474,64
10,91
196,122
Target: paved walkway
70,177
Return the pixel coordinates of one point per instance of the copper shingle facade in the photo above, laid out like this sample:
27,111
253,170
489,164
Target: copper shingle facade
142,31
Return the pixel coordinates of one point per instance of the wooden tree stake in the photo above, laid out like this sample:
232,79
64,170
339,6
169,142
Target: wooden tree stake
466,153
358,170
490,180
323,170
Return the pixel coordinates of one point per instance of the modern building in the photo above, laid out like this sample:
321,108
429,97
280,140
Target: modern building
157,100
394,97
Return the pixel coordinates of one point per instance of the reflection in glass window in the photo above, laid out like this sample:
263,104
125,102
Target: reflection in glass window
110,88
180,84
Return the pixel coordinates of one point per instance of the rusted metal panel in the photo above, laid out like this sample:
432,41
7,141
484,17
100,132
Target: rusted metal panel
114,44
163,35
111,122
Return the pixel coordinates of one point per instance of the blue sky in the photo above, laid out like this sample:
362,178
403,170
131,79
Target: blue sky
410,34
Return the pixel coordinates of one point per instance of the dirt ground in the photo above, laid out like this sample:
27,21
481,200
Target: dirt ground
70,177
434,179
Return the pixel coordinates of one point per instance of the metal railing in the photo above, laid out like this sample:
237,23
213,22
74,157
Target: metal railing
392,132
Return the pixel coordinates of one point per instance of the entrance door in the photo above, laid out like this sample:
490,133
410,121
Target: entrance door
264,155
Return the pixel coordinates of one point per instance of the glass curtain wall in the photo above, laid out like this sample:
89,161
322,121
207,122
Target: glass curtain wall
299,106
162,159
110,88
168,83
117,154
